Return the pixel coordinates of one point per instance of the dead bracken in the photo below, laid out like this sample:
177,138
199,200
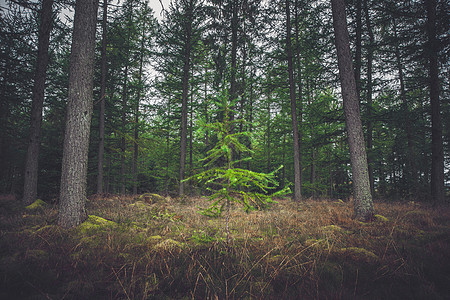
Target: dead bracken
128,248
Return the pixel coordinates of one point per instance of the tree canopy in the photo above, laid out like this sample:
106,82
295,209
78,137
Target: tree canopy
160,77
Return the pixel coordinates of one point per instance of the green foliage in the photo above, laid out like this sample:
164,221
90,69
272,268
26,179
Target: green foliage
227,182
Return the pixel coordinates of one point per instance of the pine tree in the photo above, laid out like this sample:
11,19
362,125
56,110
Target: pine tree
32,158
363,205
78,119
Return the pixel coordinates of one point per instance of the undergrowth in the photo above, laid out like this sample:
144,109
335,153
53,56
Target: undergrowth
130,249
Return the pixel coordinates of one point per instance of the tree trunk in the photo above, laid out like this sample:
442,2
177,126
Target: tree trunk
184,105
363,205
206,108
124,123
296,146
136,117
369,95
269,159
300,91
4,116
437,150
234,42
358,46
32,158
191,133
72,197
101,126
166,183
283,159
412,167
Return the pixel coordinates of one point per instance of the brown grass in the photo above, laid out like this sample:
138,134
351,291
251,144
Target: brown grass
167,250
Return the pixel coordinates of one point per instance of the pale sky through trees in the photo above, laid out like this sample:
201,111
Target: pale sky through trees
156,5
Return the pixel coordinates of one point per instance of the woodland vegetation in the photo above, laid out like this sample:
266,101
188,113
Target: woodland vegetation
155,82
117,124
164,249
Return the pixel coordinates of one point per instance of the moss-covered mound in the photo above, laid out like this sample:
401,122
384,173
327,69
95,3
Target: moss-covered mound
36,205
95,223
151,198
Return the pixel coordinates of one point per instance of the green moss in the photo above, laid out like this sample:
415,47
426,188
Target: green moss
169,245
94,223
202,237
381,218
36,205
139,205
47,229
332,228
359,254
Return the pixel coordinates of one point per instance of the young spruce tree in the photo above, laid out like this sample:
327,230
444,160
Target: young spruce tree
227,182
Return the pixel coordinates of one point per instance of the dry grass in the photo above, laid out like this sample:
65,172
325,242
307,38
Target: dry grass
167,250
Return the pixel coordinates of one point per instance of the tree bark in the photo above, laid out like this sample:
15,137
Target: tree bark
358,46
101,126
78,119
124,123
437,149
184,105
32,158
269,158
412,167
234,43
363,205
136,116
296,146
369,92
300,90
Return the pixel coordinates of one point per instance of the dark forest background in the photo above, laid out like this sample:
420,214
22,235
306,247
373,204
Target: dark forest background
161,73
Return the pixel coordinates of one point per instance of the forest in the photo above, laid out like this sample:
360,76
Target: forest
224,149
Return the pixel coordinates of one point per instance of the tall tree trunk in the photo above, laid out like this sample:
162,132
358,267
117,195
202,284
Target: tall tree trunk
250,115
166,183
313,148
369,99
358,46
191,133
283,160
269,159
300,90
313,171
32,158
107,185
234,42
242,92
184,105
124,123
4,116
72,198
206,108
437,149
363,205
412,167
297,176
101,121
136,116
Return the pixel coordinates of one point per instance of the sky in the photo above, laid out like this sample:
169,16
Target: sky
155,4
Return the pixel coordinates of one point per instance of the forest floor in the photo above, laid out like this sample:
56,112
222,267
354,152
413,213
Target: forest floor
162,248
